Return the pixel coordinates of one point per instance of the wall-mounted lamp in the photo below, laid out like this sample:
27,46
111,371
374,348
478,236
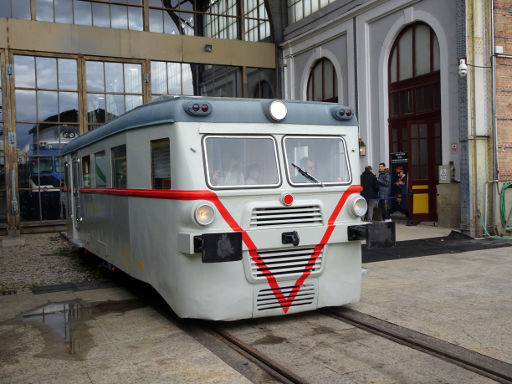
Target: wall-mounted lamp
362,147
208,47
463,68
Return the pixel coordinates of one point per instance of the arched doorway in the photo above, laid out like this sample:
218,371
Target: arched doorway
322,82
415,114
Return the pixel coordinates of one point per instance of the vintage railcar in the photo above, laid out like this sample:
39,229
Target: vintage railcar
229,208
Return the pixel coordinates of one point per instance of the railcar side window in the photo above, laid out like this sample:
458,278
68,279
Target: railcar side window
241,162
86,175
161,164
100,169
316,160
119,167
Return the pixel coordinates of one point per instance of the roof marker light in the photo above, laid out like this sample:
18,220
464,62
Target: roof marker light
194,108
277,110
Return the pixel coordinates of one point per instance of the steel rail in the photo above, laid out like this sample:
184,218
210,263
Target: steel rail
494,369
269,365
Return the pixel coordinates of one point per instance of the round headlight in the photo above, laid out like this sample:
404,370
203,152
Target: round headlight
359,206
278,110
204,214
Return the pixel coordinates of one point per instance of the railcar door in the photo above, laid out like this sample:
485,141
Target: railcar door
75,190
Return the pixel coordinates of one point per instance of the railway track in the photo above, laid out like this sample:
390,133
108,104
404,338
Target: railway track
486,366
494,369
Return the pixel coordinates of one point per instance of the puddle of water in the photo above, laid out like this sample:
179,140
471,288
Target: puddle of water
64,325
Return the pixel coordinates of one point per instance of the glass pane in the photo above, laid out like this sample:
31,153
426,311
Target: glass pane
100,169
437,143
47,106
392,67
119,167
132,78
158,77
241,162
155,21
82,11
132,102
406,102
424,99
435,54
187,23
322,158
317,82
5,9
46,69
94,76
188,85
63,11
21,9
114,77
96,108
423,172
115,106
394,104
423,130
135,18
100,15
422,49
405,54
169,24
44,10
174,78
68,106
437,96
67,74
161,164
329,75
119,16
24,71
414,131
25,105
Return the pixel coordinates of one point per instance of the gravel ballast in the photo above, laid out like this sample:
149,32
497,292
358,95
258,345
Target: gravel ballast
38,260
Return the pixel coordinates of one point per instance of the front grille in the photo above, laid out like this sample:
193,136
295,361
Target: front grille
269,217
267,300
286,262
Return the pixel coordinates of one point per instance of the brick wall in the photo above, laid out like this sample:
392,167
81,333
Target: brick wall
503,37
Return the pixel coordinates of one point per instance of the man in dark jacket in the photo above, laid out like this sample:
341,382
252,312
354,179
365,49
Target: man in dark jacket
370,191
384,181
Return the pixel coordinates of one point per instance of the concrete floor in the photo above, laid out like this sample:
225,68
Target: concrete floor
462,298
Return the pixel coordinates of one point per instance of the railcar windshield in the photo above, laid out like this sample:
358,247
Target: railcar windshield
316,160
42,165
241,162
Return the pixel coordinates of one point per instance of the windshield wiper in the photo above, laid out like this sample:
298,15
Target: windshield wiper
307,175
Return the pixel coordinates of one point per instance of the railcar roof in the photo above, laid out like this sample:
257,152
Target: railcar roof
169,110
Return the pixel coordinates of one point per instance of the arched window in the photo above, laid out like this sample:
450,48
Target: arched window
414,60
415,113
322,82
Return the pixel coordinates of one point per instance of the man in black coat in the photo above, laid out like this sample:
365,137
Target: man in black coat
384,181
370,191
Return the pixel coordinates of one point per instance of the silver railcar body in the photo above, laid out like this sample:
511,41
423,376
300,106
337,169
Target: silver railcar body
273,247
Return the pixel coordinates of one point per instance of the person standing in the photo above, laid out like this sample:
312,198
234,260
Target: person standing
384,181
370,191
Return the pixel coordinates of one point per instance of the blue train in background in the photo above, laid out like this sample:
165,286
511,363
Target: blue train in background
41,173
